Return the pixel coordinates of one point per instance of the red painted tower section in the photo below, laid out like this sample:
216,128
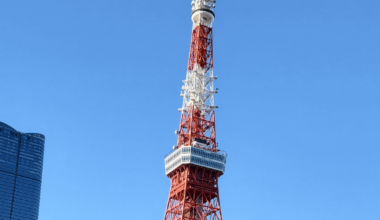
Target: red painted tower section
195,164
194,194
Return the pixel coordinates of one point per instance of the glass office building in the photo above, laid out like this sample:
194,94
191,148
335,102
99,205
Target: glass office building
21,158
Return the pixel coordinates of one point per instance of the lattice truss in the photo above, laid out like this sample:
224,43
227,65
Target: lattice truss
194,192
193,195
198,117
198,88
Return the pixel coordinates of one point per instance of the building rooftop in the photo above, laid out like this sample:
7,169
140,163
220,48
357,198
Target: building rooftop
3,125
6,126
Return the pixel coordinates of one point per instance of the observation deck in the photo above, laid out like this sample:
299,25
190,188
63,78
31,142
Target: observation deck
196,156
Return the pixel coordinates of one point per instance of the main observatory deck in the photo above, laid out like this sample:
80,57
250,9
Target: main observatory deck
196,156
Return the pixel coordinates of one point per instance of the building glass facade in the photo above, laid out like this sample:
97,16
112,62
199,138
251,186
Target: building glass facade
21,160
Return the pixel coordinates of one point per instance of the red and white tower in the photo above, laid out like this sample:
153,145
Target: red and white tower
195,164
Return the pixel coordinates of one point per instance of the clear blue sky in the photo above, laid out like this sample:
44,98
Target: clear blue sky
298,94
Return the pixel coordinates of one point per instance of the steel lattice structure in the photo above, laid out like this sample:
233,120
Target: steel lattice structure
195,164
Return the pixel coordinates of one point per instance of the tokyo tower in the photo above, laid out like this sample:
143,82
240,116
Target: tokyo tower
195,163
